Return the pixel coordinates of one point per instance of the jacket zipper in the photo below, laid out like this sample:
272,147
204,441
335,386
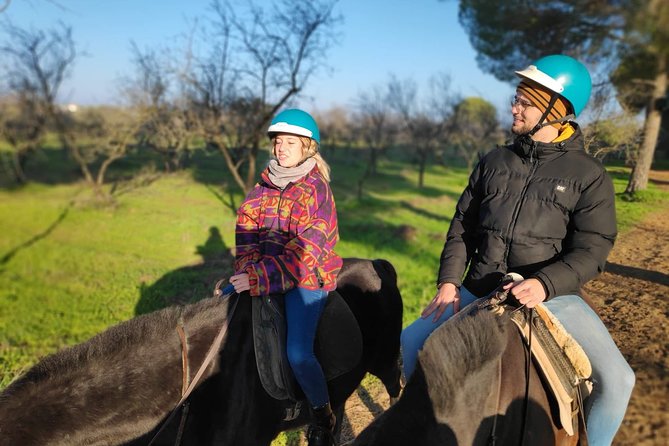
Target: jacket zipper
519,204
278,209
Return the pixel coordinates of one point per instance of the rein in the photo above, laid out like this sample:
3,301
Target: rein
186,388
528,365
495,304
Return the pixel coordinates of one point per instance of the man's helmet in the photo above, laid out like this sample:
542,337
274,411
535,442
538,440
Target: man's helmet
297,122
563,75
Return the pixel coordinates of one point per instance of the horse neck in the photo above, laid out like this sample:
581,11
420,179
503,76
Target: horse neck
115,387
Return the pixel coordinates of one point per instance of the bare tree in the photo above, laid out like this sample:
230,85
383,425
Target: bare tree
5,4
375,120
611,132
37,63
256,63
103,137
168,125
150,84
426,122
23,126
336,129
375,125
474,129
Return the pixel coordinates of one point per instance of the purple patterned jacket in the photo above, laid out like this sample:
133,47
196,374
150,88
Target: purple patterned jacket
286,238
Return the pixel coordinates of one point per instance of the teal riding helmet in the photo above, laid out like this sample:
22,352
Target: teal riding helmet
297,122
564,75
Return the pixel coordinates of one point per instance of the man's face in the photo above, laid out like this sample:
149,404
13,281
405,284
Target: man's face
525,115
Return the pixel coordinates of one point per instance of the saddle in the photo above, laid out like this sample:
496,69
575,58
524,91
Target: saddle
563,364
338,346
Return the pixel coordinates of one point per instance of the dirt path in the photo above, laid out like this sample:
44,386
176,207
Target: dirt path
633,298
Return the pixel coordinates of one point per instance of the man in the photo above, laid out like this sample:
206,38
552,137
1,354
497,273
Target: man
545,209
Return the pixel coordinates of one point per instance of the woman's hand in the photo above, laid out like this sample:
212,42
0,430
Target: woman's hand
446,294
240,282
529,292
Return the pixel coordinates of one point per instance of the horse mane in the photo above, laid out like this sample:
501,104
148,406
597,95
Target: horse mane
457,350
116,341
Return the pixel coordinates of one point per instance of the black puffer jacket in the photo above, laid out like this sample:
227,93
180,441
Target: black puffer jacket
542,210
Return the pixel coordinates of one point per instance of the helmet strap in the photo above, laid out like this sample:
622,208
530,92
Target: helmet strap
541,124
569,117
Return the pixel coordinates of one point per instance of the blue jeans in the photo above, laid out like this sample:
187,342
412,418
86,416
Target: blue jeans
413,337
303,311
612,377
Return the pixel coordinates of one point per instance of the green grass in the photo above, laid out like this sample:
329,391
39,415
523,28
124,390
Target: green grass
630,210
70,267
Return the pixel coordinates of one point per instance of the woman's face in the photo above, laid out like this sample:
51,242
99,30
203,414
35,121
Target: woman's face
288,149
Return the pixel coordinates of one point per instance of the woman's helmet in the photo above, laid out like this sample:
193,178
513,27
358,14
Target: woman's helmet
563,75
297,122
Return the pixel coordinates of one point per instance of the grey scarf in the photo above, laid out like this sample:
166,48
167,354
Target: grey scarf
281,176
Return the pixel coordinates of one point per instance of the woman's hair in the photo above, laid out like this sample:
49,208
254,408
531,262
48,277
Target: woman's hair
310,150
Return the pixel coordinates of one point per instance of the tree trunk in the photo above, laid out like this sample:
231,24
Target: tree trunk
66,141
232,166
372,160
17,167
421,169
251,173
639,176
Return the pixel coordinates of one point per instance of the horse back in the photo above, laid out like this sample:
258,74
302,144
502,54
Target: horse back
474,381
370,290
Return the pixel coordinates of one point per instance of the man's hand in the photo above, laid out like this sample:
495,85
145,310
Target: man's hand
529,292
446,294
240,282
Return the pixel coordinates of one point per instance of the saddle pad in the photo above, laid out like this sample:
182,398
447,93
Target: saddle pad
549,342
567,343
338,345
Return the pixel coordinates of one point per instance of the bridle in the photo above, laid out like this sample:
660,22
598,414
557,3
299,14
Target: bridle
187,389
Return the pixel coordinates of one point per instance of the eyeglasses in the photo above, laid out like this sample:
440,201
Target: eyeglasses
520,103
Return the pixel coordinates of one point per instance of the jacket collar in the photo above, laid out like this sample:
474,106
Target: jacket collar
526,147
267,182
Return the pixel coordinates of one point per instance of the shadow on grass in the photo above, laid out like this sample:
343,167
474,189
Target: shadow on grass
189,283
360,222
228,202
424,213
54,165
37,237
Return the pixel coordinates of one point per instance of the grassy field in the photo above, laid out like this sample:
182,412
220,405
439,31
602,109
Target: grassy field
70,267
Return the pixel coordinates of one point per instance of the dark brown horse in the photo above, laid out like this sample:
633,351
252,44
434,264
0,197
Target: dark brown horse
473,385
119,387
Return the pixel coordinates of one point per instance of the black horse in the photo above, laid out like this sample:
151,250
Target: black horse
474,384
120,386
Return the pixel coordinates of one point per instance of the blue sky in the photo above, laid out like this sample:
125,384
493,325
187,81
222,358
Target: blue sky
408,38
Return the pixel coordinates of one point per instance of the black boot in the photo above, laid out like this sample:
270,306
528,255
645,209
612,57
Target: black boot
321,431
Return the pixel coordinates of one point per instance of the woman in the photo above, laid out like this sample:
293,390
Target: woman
285,236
